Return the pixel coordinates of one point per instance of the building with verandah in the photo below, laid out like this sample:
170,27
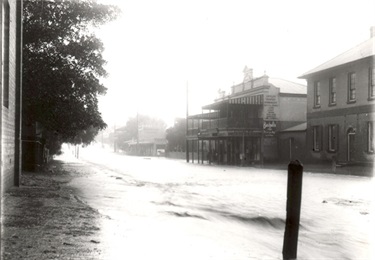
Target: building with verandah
242,128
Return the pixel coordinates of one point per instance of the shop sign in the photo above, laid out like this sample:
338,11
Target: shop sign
270,107
269,128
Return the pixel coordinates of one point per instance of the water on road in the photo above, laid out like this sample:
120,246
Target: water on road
156,208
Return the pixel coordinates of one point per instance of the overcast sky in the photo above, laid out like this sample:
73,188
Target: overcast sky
157,47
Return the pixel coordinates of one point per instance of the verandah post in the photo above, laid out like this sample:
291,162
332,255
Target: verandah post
293,209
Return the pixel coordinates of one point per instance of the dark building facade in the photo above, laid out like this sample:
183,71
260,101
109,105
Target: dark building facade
292,143
242,128
340,107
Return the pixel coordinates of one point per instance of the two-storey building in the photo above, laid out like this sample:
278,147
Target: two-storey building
340,107
242,127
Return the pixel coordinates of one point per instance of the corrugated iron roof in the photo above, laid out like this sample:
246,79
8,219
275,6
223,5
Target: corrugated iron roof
363,50
300,127
287,86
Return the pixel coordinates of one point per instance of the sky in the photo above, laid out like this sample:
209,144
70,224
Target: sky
156,50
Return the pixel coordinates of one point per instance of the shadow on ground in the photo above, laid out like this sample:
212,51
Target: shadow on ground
44,219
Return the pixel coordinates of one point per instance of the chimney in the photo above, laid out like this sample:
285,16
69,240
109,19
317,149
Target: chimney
372,31
248,74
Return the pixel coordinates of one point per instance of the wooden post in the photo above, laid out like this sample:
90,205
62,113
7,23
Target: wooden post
209,152
192,151
198,150
293,209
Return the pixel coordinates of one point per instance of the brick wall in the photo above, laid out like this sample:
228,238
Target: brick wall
8,113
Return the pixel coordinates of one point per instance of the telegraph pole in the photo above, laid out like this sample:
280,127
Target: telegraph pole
114,138
187,121
137,149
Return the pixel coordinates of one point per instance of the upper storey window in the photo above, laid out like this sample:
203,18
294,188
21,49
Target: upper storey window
371,88
332,91
316,94
351,87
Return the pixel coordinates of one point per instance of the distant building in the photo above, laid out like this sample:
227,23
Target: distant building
340,107
151,141
243,127
10,80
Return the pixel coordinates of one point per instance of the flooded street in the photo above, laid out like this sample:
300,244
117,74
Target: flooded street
156,208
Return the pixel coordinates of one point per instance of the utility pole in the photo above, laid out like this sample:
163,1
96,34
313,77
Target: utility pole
18,98
187,121
114,138
137,149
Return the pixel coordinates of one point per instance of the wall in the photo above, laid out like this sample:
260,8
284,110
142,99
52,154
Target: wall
295,141
361,68
346,115
292,110
8,113
345,123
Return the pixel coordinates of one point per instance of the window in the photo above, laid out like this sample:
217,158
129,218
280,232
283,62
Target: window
317,141
370,137
5,53
332,137
351,87
317,94
371,89
332,91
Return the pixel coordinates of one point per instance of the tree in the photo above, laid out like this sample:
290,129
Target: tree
176,135
62,67
130,130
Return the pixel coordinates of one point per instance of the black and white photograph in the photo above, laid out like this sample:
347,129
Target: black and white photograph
186,129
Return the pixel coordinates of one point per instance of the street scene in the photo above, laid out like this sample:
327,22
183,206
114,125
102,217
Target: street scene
225,212
141,129
157,208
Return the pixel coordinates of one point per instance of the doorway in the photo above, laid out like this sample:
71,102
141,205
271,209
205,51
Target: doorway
351,147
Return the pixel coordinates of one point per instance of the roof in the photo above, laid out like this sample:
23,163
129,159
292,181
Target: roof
287,86
212,115
300,127
363,50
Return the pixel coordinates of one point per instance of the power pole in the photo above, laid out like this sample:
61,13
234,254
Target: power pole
187,121
137,149
114,138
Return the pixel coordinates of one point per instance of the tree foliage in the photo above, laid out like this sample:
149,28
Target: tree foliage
176,136
62,67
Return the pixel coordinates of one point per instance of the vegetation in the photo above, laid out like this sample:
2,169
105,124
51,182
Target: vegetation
176,136
62,67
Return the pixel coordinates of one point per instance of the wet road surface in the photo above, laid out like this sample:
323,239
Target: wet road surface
157,208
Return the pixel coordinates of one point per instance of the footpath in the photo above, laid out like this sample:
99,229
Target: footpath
44,219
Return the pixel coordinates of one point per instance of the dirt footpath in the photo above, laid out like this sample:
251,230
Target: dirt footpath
44,219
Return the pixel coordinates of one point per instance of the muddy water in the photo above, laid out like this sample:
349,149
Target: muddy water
156,208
